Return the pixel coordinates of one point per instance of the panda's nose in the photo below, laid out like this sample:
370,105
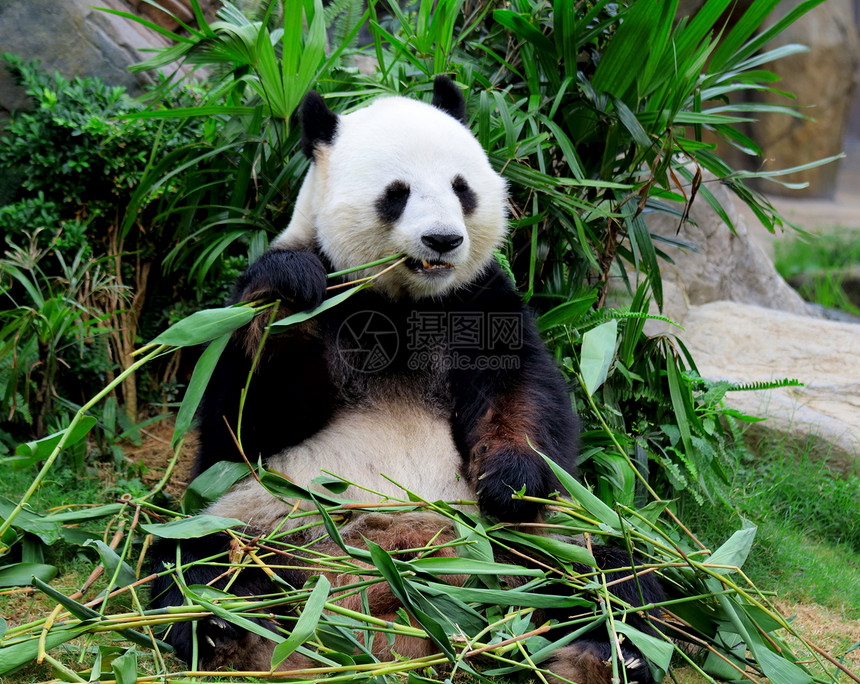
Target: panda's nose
442,242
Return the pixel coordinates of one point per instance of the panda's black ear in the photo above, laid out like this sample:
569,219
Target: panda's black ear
448,98
319,123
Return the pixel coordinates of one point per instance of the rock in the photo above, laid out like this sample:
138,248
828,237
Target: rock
78,40
743,323
824,80
725,265
746,343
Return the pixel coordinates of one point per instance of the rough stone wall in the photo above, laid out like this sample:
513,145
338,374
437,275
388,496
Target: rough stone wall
78,40
824,81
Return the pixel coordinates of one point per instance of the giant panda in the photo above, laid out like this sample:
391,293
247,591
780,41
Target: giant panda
433,378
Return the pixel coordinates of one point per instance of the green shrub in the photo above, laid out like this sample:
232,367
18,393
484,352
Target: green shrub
77,162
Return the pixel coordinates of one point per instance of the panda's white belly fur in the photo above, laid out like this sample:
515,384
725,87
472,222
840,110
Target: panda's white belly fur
410,444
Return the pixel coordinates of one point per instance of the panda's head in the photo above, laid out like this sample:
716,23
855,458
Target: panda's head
399,176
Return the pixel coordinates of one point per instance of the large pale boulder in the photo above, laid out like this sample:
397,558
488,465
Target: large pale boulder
745,343
721,263
743,323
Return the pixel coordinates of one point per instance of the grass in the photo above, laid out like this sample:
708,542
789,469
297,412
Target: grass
808,542
816,267
818,253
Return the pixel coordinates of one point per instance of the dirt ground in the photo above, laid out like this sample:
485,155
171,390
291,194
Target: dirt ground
155,454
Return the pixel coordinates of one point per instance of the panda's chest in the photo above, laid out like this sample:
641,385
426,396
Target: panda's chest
391,426
386,352
384,448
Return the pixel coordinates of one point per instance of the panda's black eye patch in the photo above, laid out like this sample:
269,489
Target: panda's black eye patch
391,203
468,198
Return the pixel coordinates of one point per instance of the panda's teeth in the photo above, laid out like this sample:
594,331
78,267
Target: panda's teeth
429,266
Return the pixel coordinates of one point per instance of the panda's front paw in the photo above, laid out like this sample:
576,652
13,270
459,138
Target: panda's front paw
215,636
505,474
294,277
219,643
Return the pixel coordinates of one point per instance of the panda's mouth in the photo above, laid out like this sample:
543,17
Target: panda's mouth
429,266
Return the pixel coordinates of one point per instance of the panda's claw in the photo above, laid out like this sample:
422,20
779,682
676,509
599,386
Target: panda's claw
297,277
218,622
632,663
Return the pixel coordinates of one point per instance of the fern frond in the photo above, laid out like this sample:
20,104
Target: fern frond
763,385
603,315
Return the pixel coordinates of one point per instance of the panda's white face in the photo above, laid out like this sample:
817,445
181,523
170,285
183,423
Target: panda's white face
402,177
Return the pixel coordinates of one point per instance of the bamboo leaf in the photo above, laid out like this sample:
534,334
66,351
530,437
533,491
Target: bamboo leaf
673,376
303,316
45,529
520,26
42,448
568,313
125,667
735,550
765,36
655,649
280,486
466,566
191,528
386,567
205,325
233,618
598,350
556,548
511,597
203,370
775,667
616,72
113,564
211,484
17,654
190,112
22,574
81,514
579,493
306,624
85,613
745,27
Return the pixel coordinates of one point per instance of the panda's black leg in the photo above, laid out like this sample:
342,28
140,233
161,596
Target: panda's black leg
590,662
219,643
